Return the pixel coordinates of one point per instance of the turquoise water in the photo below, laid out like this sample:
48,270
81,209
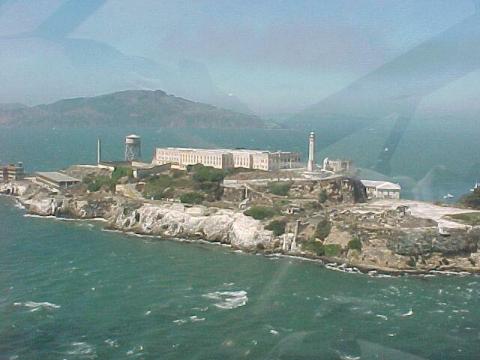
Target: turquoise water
69,290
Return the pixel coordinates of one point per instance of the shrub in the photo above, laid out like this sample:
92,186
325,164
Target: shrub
207,173
323,229
121,171
191,198
96,183
355,244
332,249
260,212
322,197
280,188
177,173
277,226
315,246
471,200
155,186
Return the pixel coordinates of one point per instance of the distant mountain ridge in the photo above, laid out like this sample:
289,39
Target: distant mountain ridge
132,107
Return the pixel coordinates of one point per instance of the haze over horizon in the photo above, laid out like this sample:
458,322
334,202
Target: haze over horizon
268,58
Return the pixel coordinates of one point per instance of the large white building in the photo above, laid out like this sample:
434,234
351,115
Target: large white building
227,158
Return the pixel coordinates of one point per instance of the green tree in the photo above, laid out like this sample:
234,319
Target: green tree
322,197
355,244
323,229
277,227
332,249
121,171
192,198
315,247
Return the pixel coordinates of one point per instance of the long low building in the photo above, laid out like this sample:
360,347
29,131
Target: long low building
227,158
56,179
382,189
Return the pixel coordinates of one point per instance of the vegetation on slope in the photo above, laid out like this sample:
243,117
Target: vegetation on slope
471,200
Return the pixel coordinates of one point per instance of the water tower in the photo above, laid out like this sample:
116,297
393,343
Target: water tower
132,148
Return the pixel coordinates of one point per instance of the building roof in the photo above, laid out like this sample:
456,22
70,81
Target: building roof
382,185
56,176
227,151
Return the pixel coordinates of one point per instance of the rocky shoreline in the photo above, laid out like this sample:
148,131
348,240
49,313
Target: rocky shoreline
394,241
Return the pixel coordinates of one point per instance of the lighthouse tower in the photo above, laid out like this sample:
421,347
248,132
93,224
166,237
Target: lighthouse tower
311,152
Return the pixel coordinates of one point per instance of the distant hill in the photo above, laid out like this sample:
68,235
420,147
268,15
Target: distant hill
132,108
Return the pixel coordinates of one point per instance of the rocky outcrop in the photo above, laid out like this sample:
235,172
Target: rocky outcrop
425,241
165,220
175,220
392,239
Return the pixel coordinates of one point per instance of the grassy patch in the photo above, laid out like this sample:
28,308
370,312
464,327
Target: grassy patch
467,218
260,212
332,249
280,188
192,198
471,200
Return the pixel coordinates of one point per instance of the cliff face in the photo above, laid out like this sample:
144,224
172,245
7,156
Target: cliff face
426,241
165,220
392,239
175,220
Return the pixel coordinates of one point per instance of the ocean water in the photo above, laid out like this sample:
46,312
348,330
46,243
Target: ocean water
69,290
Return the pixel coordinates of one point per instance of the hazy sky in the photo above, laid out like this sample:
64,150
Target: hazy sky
274,56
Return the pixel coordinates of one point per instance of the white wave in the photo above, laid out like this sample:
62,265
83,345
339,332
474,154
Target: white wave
203,309
381,316
408,313
273,332
148,312
35,306
112,343
195,318
82,348
180,321
137,350
19,205
349,357
228,299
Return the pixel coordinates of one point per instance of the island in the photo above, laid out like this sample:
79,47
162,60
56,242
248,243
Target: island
267,204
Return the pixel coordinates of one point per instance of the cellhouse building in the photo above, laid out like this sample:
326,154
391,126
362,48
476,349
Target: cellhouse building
227,158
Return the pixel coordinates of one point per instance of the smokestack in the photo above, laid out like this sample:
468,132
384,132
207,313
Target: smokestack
311,152
99,151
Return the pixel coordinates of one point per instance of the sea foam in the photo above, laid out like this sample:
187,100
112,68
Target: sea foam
228,299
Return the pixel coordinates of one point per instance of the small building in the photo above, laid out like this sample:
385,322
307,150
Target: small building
139,169
56,179
382,189
12,172
337,165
